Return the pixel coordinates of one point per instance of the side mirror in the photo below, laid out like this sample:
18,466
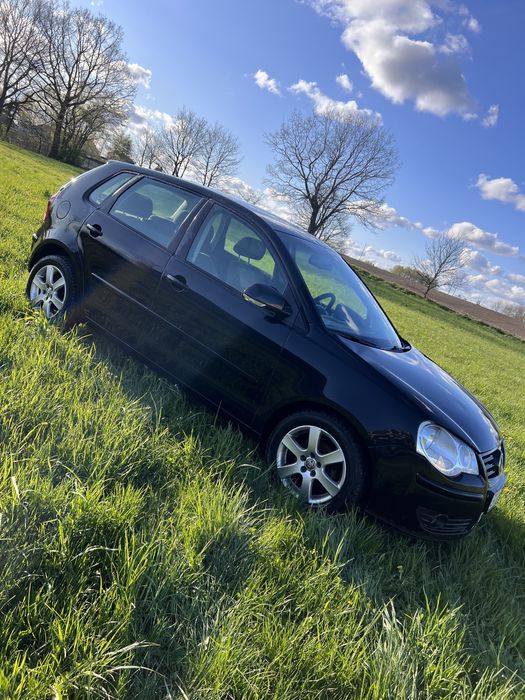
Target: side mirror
268,298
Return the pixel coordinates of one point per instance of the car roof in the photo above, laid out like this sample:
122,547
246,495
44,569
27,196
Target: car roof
277,223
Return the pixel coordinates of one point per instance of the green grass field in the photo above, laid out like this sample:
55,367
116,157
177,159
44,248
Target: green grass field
145,553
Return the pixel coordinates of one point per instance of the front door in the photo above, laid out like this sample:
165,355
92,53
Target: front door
126,246
207,335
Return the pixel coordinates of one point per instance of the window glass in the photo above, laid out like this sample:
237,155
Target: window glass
232,251
107,188
154,209
238,230
342,301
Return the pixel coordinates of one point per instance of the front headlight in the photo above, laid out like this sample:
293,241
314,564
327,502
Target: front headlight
446,453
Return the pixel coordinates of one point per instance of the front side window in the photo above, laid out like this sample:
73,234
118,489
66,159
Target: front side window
109,187
231,250
154,209
342,301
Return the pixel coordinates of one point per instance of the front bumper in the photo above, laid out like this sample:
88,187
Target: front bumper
410,495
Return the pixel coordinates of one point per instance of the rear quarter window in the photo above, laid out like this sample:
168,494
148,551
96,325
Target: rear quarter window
109,187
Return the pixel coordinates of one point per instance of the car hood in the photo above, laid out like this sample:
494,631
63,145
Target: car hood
444,400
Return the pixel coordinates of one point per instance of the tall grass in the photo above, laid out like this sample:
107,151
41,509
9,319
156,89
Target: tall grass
146,553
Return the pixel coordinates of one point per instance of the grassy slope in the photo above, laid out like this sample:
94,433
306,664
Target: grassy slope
135,532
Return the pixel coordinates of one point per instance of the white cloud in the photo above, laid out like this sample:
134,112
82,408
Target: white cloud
491,118
389,216
455,44
240,188
502,289
344,81
267,198
324,104
482,239
385,254
360,251
472,24
386,37
488,282
475,260
502,189
465,229
141,117
428,231
277,203
263,80
139,74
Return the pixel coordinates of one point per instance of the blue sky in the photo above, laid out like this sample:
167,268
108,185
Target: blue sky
447,79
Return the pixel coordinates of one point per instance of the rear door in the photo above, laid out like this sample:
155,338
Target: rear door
127,243
206,334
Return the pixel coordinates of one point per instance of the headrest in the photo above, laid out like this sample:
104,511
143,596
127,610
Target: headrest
249,247
137,205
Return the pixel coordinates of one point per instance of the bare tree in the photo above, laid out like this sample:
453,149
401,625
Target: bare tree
218,156
120,147
83,124
251,196
146,148
181,142
442,265
20,50
510,308
332,167
85,77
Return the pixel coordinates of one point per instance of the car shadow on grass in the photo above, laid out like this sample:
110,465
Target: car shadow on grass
476,580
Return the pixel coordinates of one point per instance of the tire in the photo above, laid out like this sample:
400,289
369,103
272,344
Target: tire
308,465
53,288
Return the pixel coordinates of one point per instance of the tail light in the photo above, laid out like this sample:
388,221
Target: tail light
49,205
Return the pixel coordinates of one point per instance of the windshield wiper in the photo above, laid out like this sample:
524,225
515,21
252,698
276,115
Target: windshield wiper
370,344
357,338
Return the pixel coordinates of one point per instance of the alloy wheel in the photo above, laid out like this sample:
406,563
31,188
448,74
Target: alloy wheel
311,464
48,290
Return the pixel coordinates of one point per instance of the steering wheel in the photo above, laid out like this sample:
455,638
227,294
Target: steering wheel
327,295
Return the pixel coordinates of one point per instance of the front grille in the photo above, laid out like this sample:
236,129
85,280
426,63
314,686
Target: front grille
440,524
494,462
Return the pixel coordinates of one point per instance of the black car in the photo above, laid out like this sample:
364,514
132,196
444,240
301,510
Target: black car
264,321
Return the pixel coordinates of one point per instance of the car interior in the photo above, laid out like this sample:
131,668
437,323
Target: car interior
243,266
140,212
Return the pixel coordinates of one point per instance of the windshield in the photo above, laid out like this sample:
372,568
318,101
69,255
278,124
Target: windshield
342,301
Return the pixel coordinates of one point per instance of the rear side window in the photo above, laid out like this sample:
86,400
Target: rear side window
154,209
109,187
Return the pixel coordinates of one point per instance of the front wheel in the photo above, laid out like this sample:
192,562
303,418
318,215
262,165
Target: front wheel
52,288
318,459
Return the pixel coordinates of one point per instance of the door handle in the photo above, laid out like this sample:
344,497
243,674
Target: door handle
94,230
178,281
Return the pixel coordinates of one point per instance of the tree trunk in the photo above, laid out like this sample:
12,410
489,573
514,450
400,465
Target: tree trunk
10,121
54,151
312,224
3,94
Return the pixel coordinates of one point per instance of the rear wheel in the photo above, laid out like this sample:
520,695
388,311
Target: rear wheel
53,288
318,459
